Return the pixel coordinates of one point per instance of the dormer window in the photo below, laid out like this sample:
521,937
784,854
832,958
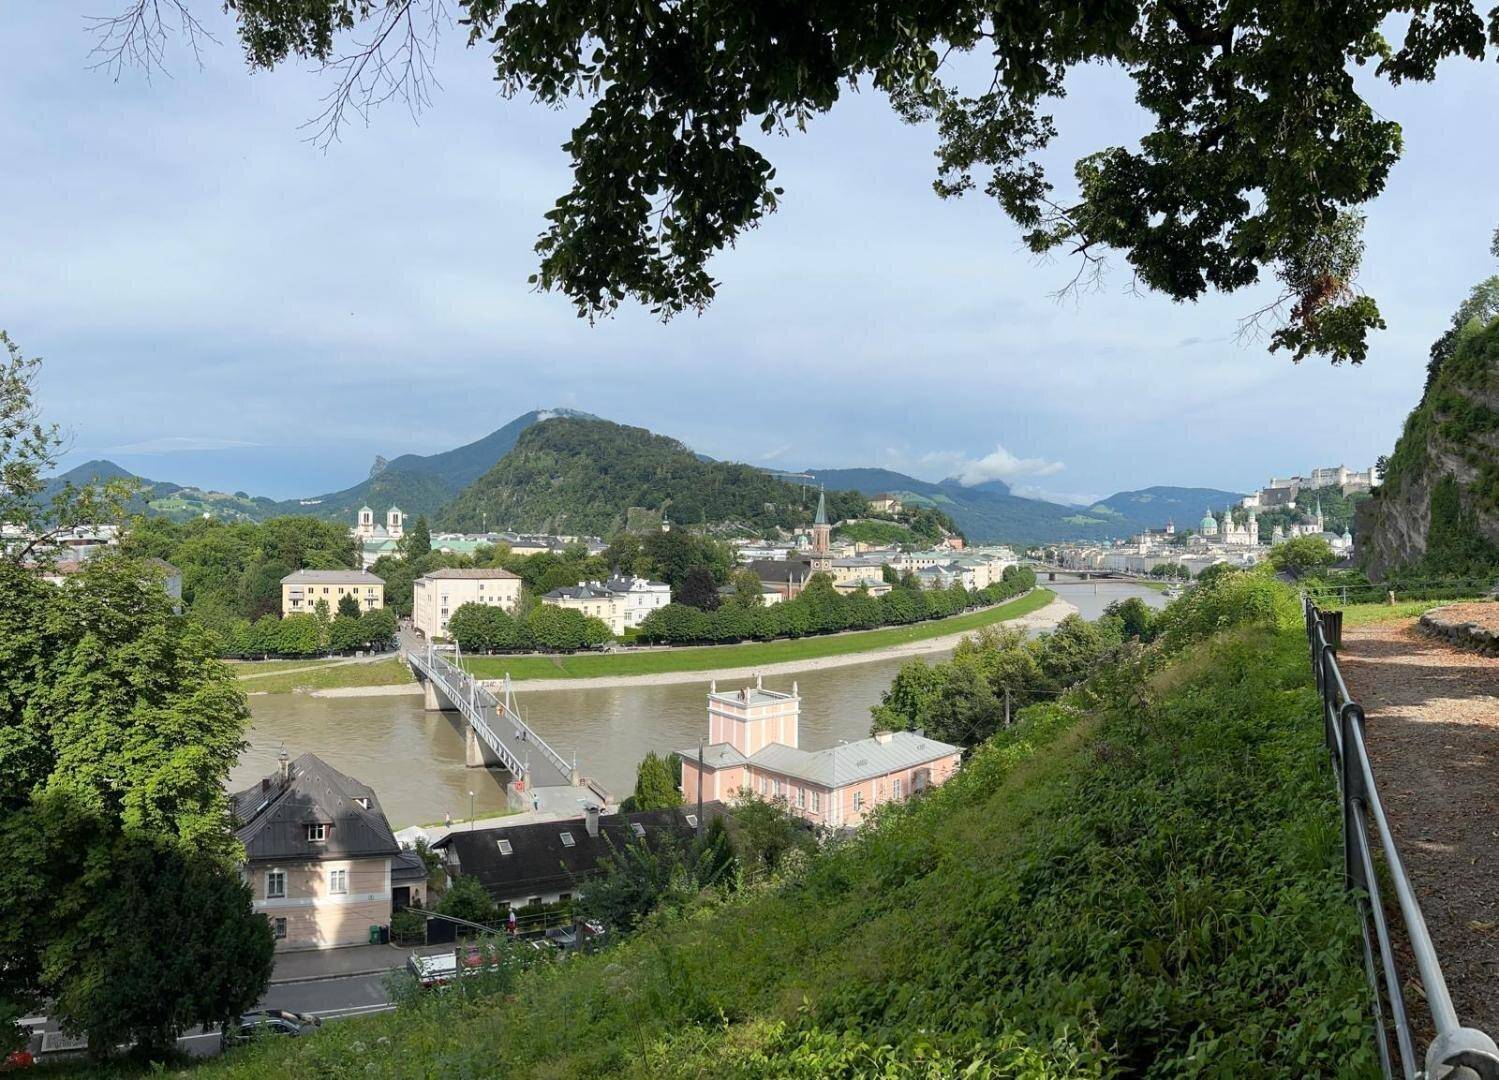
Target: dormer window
362,801
638,829
567,839
504,846
317,832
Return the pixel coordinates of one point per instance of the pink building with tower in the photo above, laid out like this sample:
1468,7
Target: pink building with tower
752,746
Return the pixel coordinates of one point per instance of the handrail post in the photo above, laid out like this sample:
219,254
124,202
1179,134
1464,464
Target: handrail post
1353,791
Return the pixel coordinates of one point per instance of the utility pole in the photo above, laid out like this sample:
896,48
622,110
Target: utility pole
700,789
1007,706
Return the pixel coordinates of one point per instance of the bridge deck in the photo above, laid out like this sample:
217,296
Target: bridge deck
495,721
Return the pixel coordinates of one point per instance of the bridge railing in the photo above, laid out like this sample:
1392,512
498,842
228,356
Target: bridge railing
465,688
1455,1048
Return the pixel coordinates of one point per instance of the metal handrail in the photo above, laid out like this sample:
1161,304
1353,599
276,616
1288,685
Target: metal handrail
465,689
1457,1051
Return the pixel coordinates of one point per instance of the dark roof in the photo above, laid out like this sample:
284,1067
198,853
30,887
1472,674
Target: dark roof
587,591
271,818
407,866
780,569
539,862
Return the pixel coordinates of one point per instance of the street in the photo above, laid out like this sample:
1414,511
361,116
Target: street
331,999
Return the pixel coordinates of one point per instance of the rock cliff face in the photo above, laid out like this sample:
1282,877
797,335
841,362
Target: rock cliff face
1437,509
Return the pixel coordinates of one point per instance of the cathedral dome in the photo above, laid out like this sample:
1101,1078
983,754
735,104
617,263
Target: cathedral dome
1209,523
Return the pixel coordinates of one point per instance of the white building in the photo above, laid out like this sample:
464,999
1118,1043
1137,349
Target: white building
640,596
393,529
436,595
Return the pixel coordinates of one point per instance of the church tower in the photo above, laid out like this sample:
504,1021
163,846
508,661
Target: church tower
822,535
366,526
393,522
1254,528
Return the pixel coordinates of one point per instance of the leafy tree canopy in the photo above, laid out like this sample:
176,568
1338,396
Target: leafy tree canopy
1260,152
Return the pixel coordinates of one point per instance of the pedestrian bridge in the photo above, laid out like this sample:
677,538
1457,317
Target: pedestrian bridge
495,735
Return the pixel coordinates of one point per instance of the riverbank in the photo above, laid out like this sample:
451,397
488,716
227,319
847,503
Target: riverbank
1036,611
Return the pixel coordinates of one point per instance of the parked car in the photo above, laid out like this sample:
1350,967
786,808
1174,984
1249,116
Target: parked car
562,936
267,1022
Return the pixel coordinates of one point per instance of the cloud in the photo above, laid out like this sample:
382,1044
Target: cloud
776,452
998,465
1066,498
179,444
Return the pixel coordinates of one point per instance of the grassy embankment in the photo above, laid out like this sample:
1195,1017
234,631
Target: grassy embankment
255,669
1140,880
390,672
748,654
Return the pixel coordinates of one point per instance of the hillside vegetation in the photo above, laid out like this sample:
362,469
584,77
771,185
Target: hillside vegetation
1437,509
1140,878
579,476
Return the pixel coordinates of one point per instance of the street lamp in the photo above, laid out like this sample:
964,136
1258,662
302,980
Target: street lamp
470,811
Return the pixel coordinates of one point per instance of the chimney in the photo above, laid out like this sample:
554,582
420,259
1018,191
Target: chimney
591,820
283,766
883,736
265,783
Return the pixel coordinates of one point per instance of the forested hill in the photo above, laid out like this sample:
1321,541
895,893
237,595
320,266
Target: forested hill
422,484
583,476
1436,510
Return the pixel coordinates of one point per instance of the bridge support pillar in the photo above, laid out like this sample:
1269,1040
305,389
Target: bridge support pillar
432,701
476,752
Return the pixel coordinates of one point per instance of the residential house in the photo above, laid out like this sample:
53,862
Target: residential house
437,594
320,859
551,861
752,747
885,503
300,591
594,600
640,596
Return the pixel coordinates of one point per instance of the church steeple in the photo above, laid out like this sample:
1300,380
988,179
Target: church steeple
822,534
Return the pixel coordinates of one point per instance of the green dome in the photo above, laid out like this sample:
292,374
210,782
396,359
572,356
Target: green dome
1209,523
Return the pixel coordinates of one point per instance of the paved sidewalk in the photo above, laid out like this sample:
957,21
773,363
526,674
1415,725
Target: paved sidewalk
308,965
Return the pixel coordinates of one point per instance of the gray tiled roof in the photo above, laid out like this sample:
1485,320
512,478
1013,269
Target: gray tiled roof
840,765
454,574
272,817
332,577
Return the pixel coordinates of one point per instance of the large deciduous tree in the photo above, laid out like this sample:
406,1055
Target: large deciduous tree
121,904
1260,149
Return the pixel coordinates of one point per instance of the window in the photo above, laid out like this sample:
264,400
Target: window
692,820
533,901
858,801
278,928
338,882
275,884
317,832
775,789
816,802
505,848
898,786
638,829
362,801
563,898
801,798
567,839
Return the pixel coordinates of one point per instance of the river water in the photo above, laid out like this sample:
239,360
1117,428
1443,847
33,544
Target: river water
414,759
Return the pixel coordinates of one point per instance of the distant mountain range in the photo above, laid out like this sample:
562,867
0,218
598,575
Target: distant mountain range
582,474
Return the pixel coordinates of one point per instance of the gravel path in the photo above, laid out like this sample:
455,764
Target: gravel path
1433,733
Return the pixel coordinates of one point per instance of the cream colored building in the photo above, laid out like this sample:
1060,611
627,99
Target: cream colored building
595,601
300,591
322,864
436,595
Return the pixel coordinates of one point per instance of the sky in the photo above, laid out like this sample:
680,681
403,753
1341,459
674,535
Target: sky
219,302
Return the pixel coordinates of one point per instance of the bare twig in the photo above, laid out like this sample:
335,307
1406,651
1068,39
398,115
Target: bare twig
397,62
137,37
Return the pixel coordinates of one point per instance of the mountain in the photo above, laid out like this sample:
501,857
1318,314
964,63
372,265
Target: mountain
175,501
422,484
576,475
988,512
1436,510
1152,507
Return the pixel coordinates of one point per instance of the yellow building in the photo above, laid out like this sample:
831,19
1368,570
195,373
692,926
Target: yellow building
302,590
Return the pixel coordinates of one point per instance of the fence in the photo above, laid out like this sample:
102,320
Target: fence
1449,588
1456,1052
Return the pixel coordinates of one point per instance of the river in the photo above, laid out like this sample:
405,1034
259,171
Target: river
414,759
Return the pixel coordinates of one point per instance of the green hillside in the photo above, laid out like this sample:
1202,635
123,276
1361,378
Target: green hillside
1142,879
165,499
422,484
582,476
